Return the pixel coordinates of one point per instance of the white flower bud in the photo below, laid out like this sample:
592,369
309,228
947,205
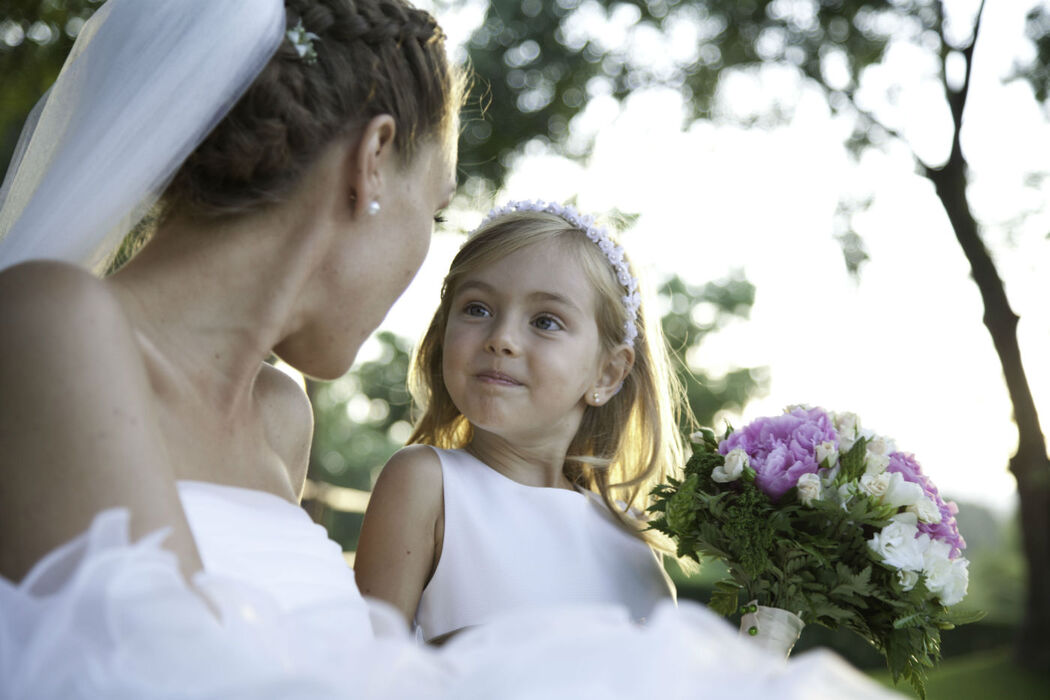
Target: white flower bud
846,493
809,488
827,454
907,579
847,425
845,444
827,476
735,462
881,445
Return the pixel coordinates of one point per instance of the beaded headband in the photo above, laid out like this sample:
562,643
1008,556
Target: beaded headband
613,252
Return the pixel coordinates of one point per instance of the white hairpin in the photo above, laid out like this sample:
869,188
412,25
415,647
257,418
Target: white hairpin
613,252
303,42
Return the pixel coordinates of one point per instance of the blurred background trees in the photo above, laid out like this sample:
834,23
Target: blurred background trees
542,64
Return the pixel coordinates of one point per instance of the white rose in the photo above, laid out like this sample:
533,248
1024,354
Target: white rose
809,488
875,463
926,510
875,485
827,454
907,579
902,492
946,579
735,463
937,553
958,581
900,546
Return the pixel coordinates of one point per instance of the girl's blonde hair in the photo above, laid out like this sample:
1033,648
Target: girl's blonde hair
622,448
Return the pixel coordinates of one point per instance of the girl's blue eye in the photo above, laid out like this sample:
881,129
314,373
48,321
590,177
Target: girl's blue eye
547,323
475,309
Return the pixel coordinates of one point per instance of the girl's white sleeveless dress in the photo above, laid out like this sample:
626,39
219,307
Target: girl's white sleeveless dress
276,614
508,546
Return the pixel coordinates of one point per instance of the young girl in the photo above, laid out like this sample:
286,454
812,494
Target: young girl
549,414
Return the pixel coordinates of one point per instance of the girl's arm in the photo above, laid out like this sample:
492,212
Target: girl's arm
78,426
401,536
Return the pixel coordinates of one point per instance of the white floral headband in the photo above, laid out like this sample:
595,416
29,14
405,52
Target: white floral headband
613,252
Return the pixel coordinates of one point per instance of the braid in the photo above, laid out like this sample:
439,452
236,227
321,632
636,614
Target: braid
373,57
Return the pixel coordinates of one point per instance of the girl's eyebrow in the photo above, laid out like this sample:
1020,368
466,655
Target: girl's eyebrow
556,298
468,285
485,287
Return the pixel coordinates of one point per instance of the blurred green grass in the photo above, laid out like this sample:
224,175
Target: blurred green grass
988,674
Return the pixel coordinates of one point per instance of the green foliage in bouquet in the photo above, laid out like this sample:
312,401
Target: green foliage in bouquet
811,559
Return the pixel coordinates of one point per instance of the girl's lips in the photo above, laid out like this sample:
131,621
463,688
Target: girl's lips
498,378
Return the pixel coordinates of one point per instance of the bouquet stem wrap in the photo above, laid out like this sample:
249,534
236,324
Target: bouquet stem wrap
773,629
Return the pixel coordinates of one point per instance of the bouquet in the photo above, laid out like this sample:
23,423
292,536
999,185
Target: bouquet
816,516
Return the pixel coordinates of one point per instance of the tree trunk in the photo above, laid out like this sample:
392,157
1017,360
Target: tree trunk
1029,465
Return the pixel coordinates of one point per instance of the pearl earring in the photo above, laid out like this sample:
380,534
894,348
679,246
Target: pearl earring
595,395
373,207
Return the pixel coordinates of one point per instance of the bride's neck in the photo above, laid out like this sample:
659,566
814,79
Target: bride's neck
211,299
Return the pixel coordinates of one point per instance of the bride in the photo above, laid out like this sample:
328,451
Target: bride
293,156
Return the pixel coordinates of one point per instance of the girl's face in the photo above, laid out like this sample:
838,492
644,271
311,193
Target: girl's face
521,347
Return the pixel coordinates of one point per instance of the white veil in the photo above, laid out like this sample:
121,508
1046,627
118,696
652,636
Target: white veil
144,84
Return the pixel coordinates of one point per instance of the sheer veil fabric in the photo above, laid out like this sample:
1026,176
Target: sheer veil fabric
145,83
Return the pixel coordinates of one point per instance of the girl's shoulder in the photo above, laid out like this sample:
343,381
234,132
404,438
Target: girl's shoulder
410,482
414,470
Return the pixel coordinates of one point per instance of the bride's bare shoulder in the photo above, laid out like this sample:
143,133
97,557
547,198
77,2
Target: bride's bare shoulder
63,330
58,307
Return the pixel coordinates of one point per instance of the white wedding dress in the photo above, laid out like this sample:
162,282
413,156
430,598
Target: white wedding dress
276,614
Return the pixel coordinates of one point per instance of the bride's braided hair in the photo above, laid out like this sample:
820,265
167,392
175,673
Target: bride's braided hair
373,57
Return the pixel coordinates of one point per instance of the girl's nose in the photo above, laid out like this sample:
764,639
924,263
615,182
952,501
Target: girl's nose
501,340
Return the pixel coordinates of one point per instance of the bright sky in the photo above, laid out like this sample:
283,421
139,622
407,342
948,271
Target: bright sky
904,347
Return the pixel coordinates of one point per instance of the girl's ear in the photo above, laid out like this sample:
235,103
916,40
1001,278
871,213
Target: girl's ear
617,366
366,163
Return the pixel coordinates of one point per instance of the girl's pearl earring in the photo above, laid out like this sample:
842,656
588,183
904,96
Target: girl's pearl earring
595,396
373,207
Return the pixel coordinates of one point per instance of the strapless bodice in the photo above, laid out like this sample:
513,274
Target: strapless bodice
260,538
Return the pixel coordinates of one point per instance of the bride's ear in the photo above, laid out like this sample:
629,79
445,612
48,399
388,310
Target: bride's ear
366,163
617,366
